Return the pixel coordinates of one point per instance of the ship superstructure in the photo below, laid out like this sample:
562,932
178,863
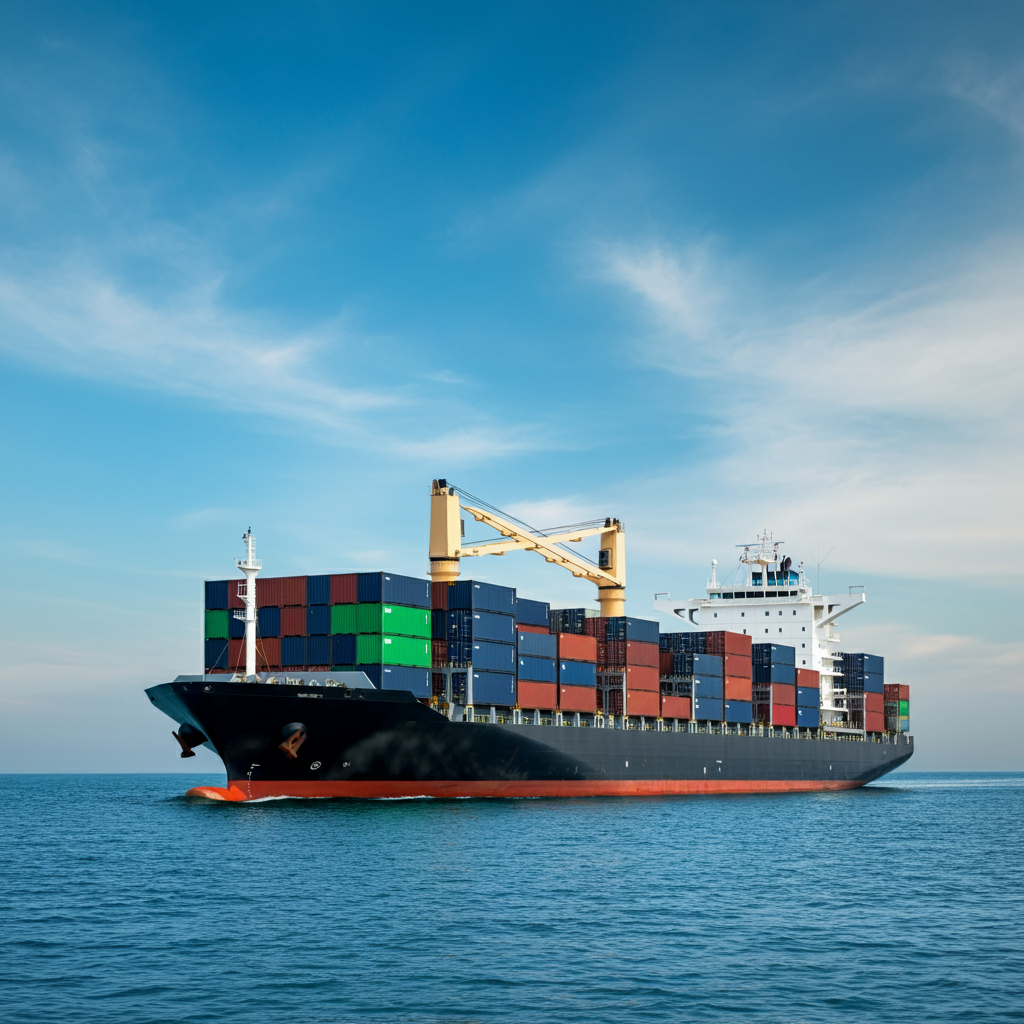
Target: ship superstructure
769,600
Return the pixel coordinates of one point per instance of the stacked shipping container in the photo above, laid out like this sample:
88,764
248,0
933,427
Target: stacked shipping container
710,668
626,650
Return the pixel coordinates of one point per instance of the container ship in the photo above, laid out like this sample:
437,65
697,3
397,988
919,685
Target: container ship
377,685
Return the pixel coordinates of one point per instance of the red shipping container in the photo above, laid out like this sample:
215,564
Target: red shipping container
874,721
268,653
234,601
541,696
293,590
723,642
665,663
638,653
269,592
438,596
293,621
675,707
236,654
611,653
904,692
576,698
596,627
874,704
642,677
438,653
891,691
783,693
643,702
576,648
531,629
808,677
783,714
343,588
738,667
738,689
613,701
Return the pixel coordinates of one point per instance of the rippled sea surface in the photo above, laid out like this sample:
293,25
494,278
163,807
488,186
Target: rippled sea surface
125,901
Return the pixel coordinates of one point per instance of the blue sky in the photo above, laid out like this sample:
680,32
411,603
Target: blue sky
707,267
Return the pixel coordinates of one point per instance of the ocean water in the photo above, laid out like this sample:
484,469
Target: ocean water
123,901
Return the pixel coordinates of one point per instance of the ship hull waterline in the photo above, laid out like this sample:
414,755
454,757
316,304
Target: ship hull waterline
374,744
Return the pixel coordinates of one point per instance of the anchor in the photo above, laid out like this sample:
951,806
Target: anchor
295,736
188,736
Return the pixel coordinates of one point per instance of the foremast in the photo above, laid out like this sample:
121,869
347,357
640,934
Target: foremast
247,593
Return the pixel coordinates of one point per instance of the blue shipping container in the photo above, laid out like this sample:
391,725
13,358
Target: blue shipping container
774,673
687,664
625,627
343,649
318,650
539,670
318,590
389,588
567,620
399,677
494,657
538,645
739,711
482,597
863,663
709,686
216,595
293,651
533,613
874,683
462,624
216,653
707,709
807,697
494,688
773,654
577,673
269,621
318,621
236,627
677,643
808,718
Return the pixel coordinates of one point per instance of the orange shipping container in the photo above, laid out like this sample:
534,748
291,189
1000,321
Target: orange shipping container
904,692
542,696
577,698
293,621
642,654
783,714
529,629
643,702
577,648
737,666
874,704
738,689
723,642
268,653
784,693
343,588
675,707
641,677
874,721
808,677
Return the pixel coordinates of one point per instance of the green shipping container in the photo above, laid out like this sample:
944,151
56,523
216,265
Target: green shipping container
392,619
904,709
378,649
217,625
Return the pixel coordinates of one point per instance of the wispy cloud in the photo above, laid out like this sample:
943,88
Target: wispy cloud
898,424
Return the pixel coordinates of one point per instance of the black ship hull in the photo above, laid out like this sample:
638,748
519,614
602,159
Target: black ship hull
384,743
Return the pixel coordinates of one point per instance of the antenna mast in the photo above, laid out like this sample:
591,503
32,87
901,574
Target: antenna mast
247,592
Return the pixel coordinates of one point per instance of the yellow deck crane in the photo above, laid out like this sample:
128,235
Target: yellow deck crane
447,544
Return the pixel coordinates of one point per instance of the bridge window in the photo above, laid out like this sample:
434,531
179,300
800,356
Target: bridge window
767,613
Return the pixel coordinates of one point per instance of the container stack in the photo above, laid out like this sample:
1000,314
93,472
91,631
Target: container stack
577,672
735,650
475,629
627,665
808,698
864,682
897,707
775,689
537,684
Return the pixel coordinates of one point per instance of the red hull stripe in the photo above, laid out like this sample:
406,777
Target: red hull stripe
244,790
